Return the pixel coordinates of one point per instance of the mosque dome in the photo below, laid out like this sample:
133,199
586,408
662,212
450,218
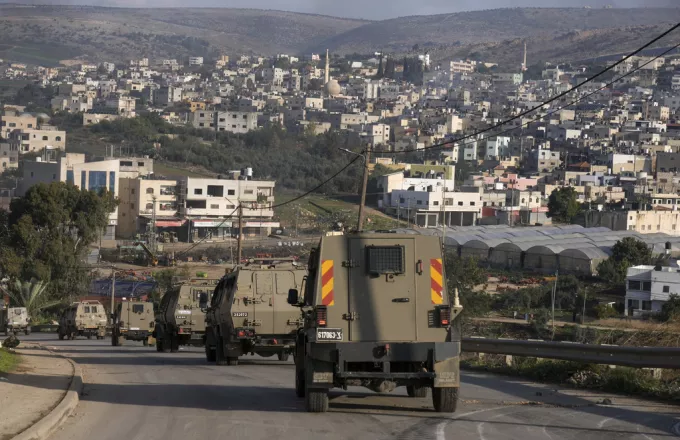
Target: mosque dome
332,88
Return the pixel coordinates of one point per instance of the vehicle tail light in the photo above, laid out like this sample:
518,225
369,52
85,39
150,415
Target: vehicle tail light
241,334
444,316
180,330
321,316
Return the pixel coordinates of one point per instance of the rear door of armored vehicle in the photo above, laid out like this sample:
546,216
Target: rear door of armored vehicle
285,317
263,301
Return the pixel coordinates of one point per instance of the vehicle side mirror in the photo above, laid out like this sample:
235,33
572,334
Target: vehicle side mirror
203,301
293,297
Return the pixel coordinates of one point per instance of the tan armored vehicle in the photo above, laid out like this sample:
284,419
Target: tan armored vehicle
249,312
14,320
376,314
85,318
132,321
181,315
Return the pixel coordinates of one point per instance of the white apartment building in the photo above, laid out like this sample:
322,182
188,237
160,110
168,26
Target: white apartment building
211,206
195,61
236,122
647,289
124,105
96,118
203,119
11,120
9,157
72,103
497,147
140,198
461,66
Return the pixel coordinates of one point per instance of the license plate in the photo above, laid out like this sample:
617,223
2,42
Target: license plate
134,328
240,314
329,334
184,312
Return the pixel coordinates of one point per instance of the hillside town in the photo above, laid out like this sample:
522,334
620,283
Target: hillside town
614,142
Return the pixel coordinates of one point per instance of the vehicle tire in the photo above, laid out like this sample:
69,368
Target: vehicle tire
220,356
299,382
283,356
416,391
445,400
316,401
159,348
27,331
232,361
210,354
61,336
114,340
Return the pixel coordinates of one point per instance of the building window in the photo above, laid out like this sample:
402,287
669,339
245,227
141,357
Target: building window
132,191
58,138
140,164
97,180
666,289
214,206
646,286
132,206
112,181
248,191
472,203
216,190
45,138
460,203
634,285
419,202
231,192
435,203
198,191
149,206
149,190
647,305
69,176
83,179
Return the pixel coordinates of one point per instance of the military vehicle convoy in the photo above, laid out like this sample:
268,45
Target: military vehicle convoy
84,318
181,315
376,314
14,320
132,321
249,312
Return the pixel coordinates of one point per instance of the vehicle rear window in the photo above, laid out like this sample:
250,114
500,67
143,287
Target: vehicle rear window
138,308
385,259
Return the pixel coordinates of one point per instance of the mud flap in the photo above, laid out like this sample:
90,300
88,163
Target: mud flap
318,374
448,373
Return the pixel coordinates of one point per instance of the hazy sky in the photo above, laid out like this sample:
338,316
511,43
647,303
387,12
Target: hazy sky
372,9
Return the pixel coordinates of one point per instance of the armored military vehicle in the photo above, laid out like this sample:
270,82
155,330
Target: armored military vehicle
249,311
181,315
376,314
85,318
15,320
132,321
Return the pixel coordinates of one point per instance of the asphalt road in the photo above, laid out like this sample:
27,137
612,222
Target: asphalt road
133,392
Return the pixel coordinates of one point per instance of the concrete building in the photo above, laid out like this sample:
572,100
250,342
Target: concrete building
195,61
124,105
167,95
463,66
12,120
139,197
203,119
236,122
648,288
497,147
96,118
9,157
32,141
211,206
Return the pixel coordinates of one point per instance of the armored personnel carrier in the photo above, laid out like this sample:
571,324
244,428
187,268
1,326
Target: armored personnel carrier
377,314
132,321
249,312
85,318
181,315
14,320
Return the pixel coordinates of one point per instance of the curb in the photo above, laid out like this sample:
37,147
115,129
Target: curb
48,424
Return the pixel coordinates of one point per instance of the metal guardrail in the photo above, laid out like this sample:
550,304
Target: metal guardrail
640,357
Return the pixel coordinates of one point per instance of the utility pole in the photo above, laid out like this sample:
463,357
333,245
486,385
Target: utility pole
113,293
239,249
583,316
364,186
408,213
554,292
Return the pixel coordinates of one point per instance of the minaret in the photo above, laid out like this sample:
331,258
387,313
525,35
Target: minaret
524,64
328,68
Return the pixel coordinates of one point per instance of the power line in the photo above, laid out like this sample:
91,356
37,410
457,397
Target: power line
549,101
205,238
319,185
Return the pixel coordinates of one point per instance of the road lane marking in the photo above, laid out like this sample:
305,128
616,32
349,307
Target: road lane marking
441,427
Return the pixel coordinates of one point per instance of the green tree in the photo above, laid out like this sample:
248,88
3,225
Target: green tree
670,310
627,252
465,275
31,294
563,204
47,234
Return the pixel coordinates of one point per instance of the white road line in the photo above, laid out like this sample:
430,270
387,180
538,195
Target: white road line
441,427
604,422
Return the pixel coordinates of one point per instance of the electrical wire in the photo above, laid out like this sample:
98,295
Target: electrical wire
549,101
205,238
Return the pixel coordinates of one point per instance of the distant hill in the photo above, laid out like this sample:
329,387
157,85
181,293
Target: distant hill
49,34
